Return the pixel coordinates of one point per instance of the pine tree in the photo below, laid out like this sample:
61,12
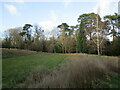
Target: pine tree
81,40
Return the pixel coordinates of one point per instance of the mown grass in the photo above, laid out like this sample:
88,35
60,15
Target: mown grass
16,69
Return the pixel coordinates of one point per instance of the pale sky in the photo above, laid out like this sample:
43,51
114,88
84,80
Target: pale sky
50,13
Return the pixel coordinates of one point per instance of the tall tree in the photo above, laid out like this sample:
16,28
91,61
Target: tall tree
38,32
13,38
37,38
89,22
27,31
26,34
113,24
63,28
81,39
94,27
71,40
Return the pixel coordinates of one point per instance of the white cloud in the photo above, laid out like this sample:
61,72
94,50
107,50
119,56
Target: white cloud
53,15
12,9
48,26
1,26
103,7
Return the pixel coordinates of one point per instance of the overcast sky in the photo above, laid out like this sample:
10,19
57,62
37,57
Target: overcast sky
16,13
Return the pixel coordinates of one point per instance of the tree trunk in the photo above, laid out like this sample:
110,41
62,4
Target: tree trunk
113,33
90,36
98,43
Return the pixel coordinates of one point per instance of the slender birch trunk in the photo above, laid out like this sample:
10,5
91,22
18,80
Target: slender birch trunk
98,43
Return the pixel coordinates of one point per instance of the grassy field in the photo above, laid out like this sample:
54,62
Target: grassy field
45,70
8,53
17,68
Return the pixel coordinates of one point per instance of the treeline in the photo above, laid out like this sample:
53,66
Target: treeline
90,35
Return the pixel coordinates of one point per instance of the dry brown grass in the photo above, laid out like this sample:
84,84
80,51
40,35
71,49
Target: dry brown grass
81,71
7,53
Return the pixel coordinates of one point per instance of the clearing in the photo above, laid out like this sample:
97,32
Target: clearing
37,70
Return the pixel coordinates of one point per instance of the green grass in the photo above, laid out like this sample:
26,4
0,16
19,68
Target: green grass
113,81
16,69
21,68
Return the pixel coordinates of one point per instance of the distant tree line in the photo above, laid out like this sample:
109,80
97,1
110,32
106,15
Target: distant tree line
90,36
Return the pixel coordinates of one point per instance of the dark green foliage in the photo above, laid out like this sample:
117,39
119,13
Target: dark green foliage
66,34
63,26
6,43
81,40
26,34
81,46
113,24
58,47
115,48
26,31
